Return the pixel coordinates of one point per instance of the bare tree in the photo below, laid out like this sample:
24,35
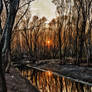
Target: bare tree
11,10
60,9
83,7
37,25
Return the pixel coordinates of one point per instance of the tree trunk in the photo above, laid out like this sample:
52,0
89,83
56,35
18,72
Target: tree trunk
76,42
77,35
89,55
64,54
59,38
81,40
2,76
11,8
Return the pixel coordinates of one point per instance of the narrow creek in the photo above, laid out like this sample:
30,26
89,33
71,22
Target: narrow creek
48,82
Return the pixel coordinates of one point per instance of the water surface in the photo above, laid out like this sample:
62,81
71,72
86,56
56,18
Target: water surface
48,82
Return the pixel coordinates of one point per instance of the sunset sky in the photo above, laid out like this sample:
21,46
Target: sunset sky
43,8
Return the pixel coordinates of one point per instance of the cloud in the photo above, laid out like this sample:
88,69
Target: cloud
43,8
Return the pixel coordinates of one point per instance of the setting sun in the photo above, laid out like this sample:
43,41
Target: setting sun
48,42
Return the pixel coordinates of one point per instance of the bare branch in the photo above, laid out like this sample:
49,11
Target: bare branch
25,4
22,16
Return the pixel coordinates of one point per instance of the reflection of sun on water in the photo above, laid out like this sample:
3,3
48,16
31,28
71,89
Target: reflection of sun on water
49,73
48,82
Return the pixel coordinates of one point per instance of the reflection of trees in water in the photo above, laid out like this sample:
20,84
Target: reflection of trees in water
47,82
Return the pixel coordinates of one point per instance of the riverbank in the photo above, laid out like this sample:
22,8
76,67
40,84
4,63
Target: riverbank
16,83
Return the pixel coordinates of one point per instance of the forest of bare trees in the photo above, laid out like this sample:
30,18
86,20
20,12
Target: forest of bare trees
68,36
